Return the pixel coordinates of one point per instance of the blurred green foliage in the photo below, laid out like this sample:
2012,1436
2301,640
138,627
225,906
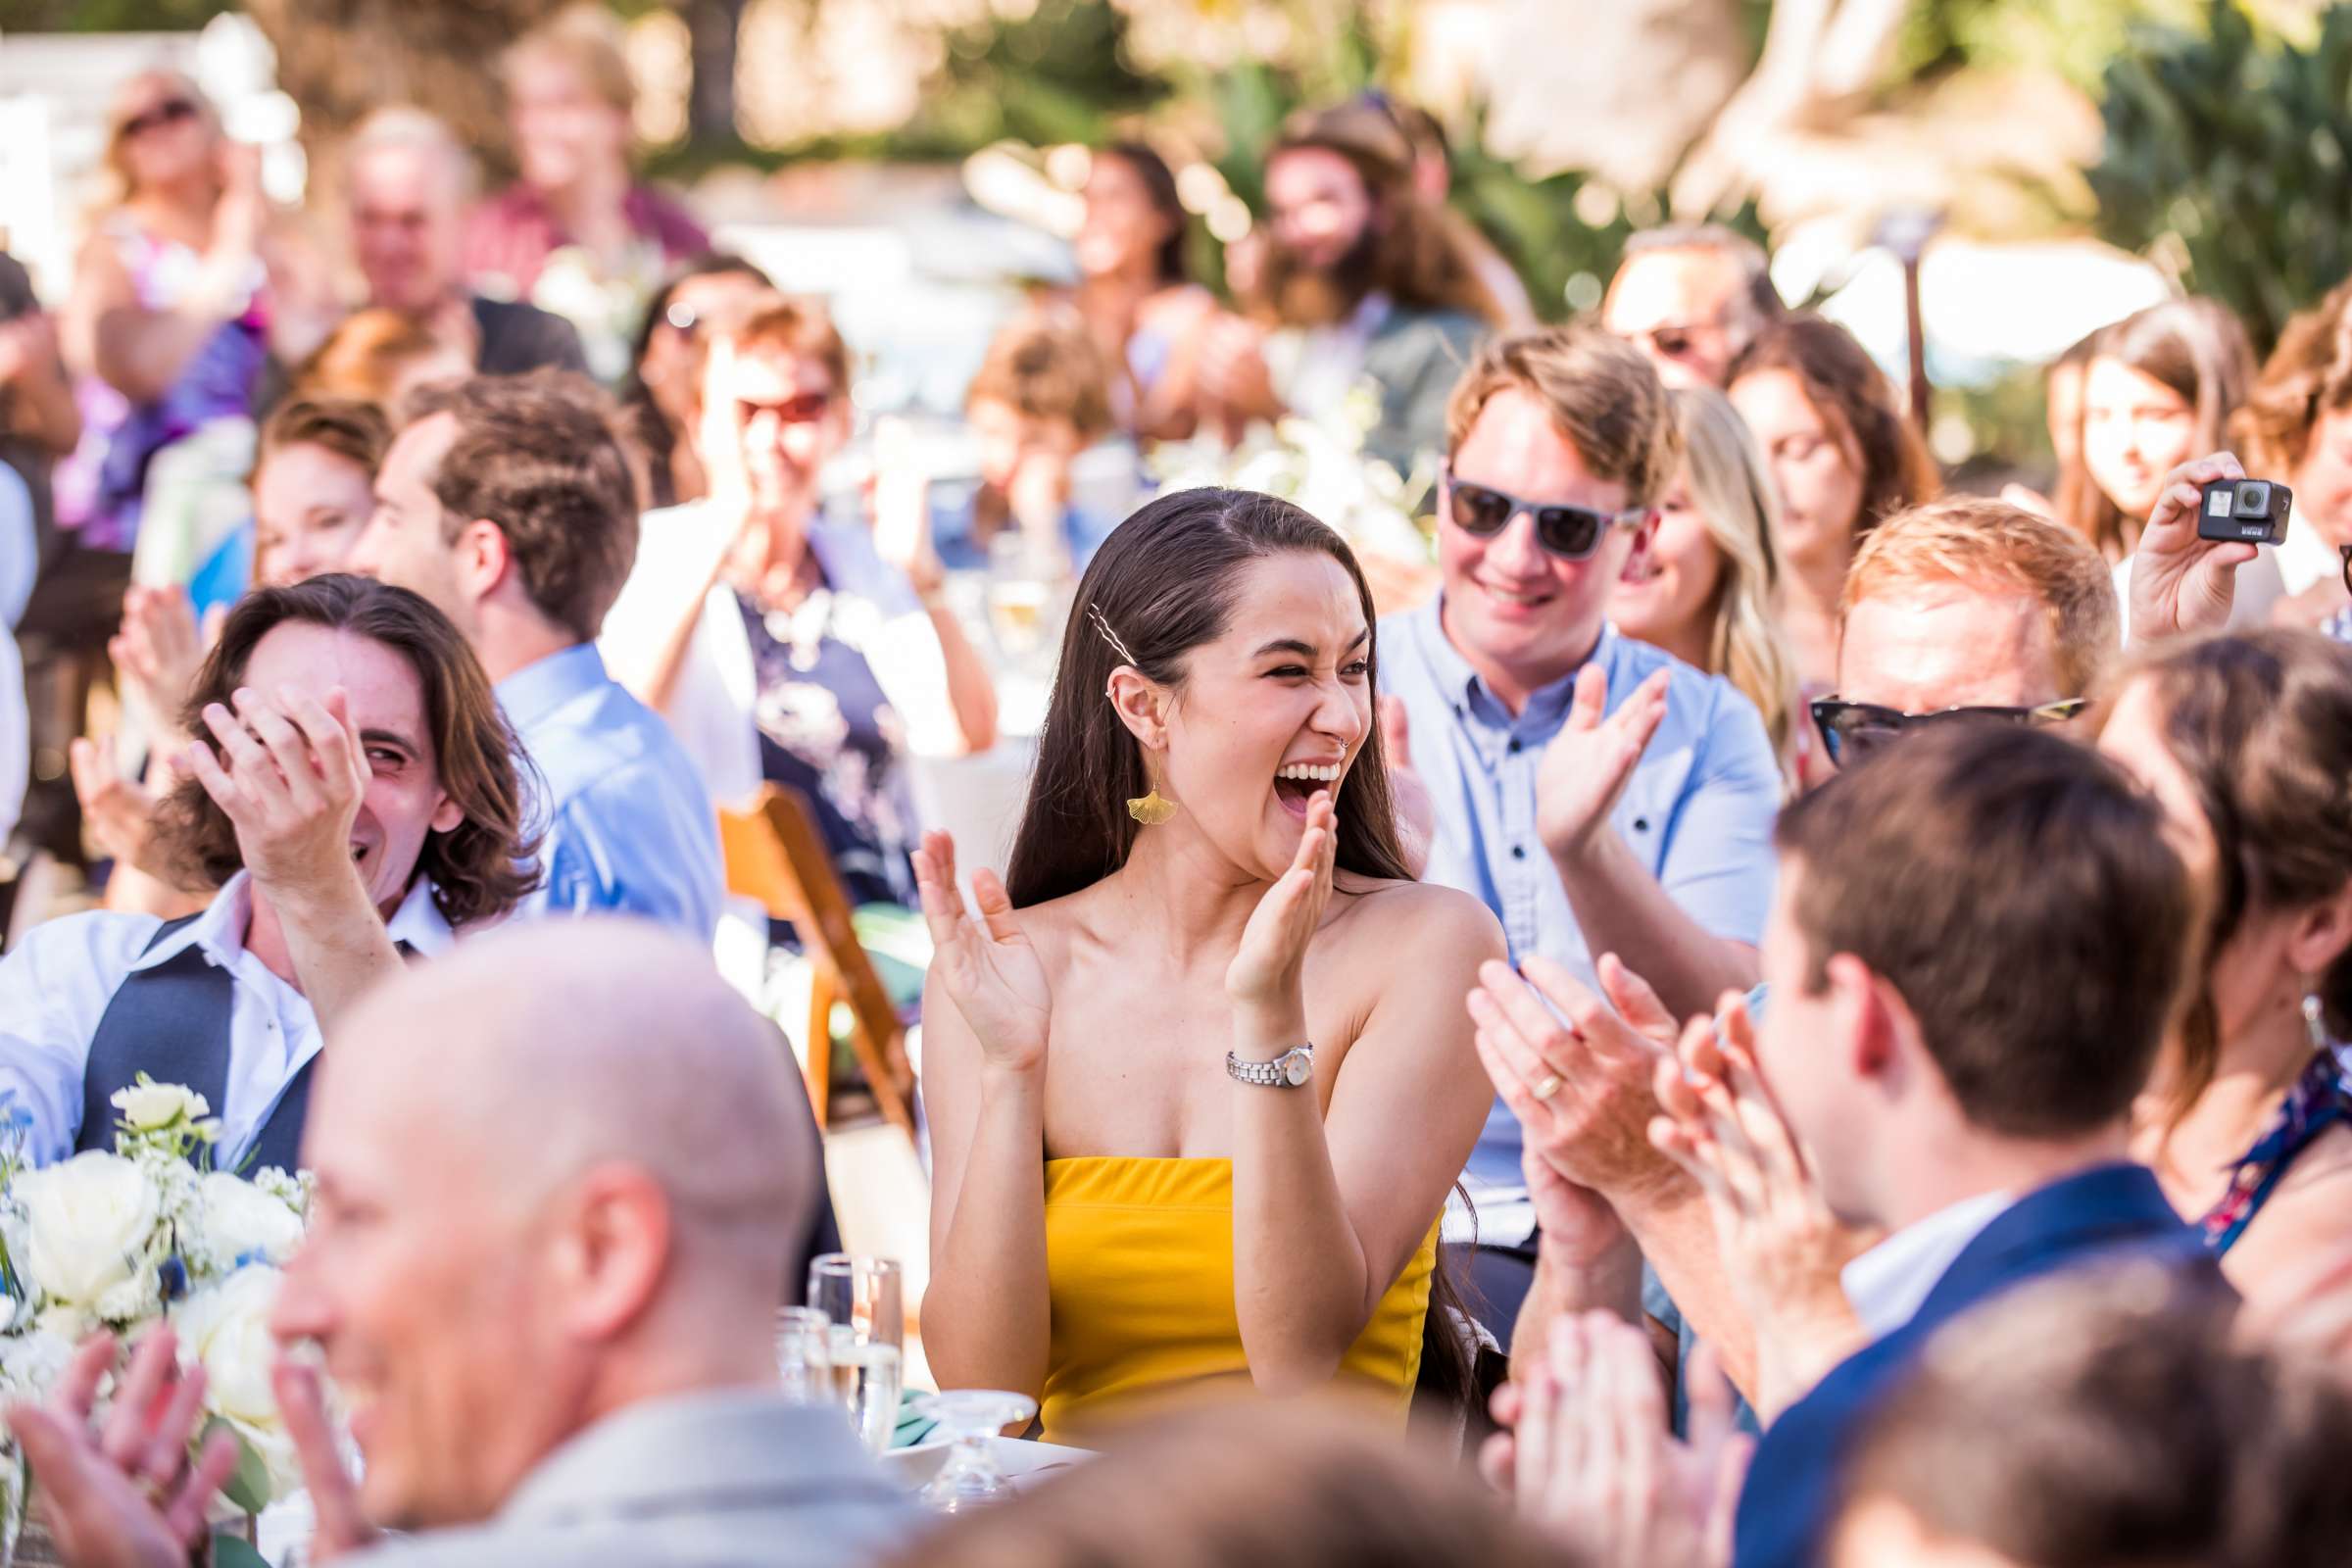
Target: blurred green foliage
2076,38
2230,158
109,15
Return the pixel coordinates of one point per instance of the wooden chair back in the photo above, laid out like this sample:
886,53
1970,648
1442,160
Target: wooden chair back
775,855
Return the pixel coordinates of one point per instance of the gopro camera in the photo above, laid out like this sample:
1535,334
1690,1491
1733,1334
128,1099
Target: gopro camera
2244,510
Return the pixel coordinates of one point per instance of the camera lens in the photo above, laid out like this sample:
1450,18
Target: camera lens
2253,499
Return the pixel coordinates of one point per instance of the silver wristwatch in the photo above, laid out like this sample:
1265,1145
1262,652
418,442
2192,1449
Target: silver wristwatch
1289,1070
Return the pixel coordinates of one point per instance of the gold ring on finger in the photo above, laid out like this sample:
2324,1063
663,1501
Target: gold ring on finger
1549,1086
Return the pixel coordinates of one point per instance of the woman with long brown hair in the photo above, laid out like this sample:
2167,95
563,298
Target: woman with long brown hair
1193,1124
2247,741
1844,456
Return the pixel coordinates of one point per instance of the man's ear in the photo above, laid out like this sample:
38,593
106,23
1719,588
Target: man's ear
611,1245
1868,1018
1645,537
2321,934
483,557
1142,705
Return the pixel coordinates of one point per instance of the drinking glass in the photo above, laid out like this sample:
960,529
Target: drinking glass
970,1478
802,1364
867,1328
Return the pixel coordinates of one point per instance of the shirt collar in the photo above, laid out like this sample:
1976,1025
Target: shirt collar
219,931
715,1441
1460,683
1889,1283
539,688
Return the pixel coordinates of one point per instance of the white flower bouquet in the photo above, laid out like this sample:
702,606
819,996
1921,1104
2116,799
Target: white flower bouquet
150,1232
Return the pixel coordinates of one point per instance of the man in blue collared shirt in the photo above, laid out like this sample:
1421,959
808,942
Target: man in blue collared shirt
509,503
1599,794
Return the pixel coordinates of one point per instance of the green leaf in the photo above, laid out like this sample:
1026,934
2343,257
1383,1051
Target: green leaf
235,1551
249,1483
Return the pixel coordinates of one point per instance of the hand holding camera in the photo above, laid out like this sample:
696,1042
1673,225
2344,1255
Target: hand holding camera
2184,578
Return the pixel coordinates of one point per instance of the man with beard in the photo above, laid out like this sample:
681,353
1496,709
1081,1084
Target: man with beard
1358,280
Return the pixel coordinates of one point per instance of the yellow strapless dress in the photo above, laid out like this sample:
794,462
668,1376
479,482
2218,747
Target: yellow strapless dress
1139,1267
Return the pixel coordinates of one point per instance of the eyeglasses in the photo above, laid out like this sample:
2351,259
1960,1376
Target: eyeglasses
1570,533
804,408
1678,340
167,113
2345,551
1854,731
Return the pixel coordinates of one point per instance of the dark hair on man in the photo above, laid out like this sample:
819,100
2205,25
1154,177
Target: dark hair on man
2115,1418
2019,892
481,867
1865,414
542,456
2261,723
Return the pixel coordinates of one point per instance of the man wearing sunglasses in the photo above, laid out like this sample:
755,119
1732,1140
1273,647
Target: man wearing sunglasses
408,186
1599,796
1691,299
1965,611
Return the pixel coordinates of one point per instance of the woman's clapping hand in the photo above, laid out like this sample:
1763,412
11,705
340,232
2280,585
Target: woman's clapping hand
1270,968
987,966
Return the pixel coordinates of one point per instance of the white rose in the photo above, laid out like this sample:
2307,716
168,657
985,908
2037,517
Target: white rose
149,1105
90,1224
30,1363
241,1222
226,1327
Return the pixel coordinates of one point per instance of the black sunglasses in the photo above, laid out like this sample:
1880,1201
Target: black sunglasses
2345,551
1854,731
168,112
1570,533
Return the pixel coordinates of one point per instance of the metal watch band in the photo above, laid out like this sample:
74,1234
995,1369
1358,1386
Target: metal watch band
1289,1070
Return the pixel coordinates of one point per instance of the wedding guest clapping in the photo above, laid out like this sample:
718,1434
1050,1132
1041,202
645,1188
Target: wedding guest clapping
1593,793
1976,950
353,788
2247,741
550,1300
511,503
1843,457
662,393
778,641
1192,1123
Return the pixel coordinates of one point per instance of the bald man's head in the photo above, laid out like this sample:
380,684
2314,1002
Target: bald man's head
562,1168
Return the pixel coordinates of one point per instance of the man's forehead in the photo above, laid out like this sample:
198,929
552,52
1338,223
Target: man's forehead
1948,646
380,685
1685,287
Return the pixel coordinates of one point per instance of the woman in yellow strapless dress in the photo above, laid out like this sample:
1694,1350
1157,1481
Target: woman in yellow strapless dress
1197,1106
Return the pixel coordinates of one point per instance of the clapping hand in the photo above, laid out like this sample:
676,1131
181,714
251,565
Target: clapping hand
118,812
1588,763
1416,812
289,776
337,1524
1269,970
1582,1088
123,1495
1593,1460
157,653
990,970
2180,583
1783,1248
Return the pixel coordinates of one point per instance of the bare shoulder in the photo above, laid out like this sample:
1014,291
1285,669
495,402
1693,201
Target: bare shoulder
1442,925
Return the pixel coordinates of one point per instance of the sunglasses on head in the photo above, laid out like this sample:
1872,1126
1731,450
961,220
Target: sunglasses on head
1854,731
169,112
1570,533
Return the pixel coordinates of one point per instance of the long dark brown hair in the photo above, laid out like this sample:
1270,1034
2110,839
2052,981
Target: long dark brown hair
1861,406
1163,584
481,867
2261,723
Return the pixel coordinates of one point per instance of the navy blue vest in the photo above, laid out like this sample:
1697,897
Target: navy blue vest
172,1022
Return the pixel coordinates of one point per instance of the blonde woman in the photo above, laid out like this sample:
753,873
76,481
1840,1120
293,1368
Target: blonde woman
1707,589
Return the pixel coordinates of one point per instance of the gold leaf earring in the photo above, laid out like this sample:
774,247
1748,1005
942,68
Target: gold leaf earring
1152,810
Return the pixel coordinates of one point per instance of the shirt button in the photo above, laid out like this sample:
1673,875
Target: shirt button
1518,851
1513,748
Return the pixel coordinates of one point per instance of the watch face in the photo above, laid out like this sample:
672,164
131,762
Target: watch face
1296,1068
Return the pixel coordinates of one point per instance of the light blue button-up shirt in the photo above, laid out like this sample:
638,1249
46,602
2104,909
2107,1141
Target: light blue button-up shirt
627,824
1697,812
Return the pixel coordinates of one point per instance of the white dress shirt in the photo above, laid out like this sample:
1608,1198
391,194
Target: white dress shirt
56,986
1888,1285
